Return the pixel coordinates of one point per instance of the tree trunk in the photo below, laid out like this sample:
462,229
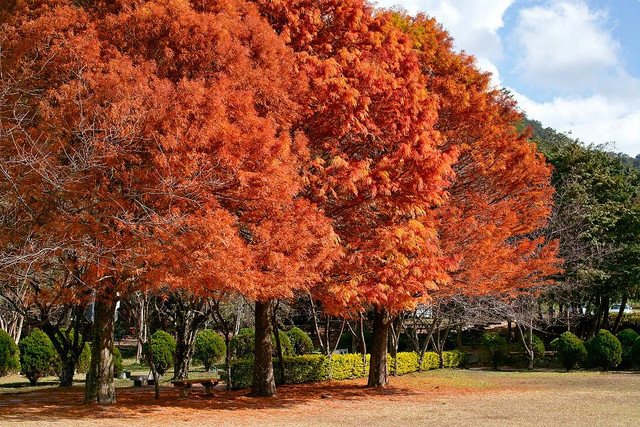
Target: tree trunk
276,334
363,344
184,353
605,313
623,304
67,370
227,341
263,381
141,330
378,369
99,386
423,351
186,325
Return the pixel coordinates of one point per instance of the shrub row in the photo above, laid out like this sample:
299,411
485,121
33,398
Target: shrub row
316,367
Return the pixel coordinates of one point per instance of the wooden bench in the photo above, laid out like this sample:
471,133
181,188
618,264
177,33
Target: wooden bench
142,380
185,385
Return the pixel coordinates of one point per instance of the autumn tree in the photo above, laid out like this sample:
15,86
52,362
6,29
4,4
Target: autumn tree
184,110
376,168
248,86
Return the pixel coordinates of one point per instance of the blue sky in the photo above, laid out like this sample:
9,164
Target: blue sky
574,65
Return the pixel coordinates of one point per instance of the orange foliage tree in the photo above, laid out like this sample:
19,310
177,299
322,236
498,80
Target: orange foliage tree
377,167
392,107
191,172
501,195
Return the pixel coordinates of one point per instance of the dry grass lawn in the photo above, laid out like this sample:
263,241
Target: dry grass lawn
444,397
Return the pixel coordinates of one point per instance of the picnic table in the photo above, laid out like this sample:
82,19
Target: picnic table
185,385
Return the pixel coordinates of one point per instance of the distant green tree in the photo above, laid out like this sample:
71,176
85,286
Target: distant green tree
596,217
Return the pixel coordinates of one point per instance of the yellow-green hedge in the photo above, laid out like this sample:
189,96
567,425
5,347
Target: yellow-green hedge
315,367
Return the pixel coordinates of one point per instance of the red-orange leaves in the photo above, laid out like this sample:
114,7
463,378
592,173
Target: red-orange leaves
501,194
167,154
376,167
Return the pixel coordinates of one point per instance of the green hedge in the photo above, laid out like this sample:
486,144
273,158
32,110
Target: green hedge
347,366
315,367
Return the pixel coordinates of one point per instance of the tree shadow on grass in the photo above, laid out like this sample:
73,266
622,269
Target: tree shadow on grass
61,404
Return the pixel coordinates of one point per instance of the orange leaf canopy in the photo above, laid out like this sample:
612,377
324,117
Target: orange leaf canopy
167,149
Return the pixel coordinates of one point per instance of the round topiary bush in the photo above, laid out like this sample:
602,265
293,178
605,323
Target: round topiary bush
84,361
627,338
209,348
496,348
38,357
570,350
285,344
118,365
604,350
243,343
300,341
164,348
9,356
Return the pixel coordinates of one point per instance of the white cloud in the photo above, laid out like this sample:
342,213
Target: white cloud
593,119
565,46
562,49
472,23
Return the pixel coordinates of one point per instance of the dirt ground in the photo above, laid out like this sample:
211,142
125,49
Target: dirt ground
445,397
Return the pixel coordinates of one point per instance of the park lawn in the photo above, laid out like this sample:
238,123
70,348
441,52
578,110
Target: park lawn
445,397
18,384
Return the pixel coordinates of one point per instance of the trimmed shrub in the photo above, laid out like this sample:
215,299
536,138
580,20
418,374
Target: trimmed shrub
347,366
300,341
9,356
242,344
496,347
209,348
164,348
285,343
118,366
315,367
431,361
634,354
570,350
84,361
38,357
627,338
455,358
604,350
407,362
308,368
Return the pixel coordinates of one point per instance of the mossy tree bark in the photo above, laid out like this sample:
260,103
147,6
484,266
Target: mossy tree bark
264,383
99,386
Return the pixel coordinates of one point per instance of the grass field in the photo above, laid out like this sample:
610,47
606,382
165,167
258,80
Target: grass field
443,397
